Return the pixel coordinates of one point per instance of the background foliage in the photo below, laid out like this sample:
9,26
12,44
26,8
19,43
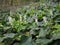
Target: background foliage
36,24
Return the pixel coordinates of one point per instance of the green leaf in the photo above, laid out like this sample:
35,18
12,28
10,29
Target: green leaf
56,36
9,35
29,42
43,41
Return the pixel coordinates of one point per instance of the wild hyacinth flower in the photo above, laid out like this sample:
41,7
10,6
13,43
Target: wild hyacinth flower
25,18
20,17
10,19
36,20
45,19
51,13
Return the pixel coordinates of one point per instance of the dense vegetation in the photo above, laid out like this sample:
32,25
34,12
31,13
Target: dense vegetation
36,24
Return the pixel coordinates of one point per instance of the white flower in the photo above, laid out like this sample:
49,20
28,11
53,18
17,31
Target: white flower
20,17
25,18
10,19
45,19
36,20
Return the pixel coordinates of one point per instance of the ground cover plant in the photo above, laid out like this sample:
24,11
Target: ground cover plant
36,24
